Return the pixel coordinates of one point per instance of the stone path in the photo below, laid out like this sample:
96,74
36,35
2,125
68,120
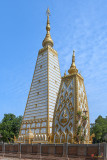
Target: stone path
42,158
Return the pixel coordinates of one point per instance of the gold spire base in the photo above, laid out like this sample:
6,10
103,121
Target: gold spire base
47,41
73,70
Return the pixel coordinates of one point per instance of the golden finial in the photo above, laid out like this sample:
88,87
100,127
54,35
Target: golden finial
48,40
48,12
48,23
65,73
73,68
73,58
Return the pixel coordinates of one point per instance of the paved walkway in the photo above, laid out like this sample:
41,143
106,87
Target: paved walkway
42,158
6,158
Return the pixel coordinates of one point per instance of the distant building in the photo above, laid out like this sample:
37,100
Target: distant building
53,114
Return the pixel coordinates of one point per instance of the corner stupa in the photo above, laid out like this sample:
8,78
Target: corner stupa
71,116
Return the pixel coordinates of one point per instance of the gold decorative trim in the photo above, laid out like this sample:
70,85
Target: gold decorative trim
48,91
35,107
49,49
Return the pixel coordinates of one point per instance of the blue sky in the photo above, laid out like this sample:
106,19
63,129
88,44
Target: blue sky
75,24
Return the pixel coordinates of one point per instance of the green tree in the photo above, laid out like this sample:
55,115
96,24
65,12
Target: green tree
99,128
9,127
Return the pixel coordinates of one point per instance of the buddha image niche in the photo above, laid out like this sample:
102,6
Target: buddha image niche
64,116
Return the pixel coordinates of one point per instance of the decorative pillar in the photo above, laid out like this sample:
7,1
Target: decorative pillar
19,150
99,153
39,150
65,150
3,149
105,151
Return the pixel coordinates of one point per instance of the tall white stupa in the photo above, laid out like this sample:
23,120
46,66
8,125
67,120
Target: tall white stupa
38,115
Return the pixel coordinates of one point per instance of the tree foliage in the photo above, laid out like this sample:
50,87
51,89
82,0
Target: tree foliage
9,127
99,128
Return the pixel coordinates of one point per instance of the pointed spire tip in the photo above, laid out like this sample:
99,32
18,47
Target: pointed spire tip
48,40
48,11
73,66
74,52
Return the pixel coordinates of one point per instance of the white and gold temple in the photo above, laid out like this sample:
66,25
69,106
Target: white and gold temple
56,110
38,115
71,117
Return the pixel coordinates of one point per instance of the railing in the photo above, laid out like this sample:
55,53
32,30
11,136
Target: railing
87,151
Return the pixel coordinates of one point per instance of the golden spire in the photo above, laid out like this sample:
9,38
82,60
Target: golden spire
73,68
73,59
48,40
65,73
